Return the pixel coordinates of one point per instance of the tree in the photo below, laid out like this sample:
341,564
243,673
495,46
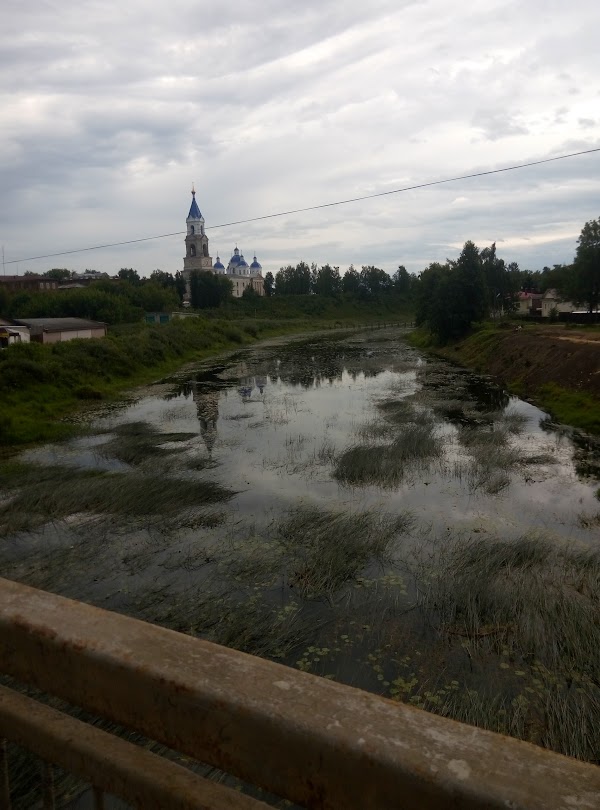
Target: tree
502,281
163,279
327,281
586,281
293,280
474,289
351,280
130,275
209,290
180,285
60,274
250,293
425,291
374,281
269,284
402,281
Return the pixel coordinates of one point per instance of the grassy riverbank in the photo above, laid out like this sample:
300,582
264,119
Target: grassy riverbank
40,385
554,365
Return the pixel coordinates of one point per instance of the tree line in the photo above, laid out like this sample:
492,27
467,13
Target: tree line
450,297
326,280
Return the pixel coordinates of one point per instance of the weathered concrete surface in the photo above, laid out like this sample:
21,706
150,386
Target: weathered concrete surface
138,776
318,743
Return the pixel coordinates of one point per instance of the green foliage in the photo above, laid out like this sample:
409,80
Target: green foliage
209,290
327,281
373,282
586,280
351,281
130,275
293,280
60,274
403,282
269,284
451,297
575,408
104,300
502,281
250,293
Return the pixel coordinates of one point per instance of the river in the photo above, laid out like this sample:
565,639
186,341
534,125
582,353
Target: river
345,505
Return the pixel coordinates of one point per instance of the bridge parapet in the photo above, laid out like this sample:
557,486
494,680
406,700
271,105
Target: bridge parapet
315,742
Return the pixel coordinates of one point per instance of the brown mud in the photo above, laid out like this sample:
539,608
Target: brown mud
530,358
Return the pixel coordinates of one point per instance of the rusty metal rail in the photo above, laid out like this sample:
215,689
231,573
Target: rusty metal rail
307,739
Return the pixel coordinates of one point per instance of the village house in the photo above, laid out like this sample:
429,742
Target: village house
30,283
552,301
58,330
529,303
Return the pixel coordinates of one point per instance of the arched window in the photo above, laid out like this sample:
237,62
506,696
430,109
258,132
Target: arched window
205,250
192,250
191,229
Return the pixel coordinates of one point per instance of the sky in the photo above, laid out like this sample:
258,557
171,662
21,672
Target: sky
110,111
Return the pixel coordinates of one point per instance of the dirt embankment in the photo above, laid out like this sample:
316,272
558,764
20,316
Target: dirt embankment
529,359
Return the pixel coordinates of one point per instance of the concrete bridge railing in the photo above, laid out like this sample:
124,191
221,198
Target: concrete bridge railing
307,739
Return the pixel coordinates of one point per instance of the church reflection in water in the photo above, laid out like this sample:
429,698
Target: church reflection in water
207,409
206,398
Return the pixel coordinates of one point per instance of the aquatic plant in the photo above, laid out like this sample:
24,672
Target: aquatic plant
538,605
40,494
387,464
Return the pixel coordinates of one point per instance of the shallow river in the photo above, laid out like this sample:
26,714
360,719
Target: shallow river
346,506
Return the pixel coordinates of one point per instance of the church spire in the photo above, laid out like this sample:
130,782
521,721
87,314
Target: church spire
194,210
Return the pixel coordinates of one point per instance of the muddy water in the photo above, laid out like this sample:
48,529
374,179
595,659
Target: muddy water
350,467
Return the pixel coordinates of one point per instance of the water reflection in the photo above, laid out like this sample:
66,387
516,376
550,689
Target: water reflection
207,408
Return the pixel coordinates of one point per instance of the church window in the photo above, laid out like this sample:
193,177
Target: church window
191,229
192,250
205,250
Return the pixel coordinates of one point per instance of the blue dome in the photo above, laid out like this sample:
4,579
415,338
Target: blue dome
235,259
256,265
218,265
243,262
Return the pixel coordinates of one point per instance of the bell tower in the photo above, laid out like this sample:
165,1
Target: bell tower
196,241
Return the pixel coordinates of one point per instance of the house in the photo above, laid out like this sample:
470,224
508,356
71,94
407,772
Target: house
57,330
11,333
529,303
553,301
30,283
241,274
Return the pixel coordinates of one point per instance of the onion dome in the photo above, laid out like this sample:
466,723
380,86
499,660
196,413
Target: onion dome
256,265
218,265
243,262
235,259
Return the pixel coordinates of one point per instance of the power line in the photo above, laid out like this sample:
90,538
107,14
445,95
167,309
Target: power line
318,207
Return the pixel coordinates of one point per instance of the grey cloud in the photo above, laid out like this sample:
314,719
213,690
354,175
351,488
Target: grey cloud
112,110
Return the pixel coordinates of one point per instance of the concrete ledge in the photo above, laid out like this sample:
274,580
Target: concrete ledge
116,766
316,742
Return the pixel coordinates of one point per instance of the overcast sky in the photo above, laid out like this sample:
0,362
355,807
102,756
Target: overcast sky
111,110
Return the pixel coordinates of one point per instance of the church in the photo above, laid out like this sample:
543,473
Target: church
241,274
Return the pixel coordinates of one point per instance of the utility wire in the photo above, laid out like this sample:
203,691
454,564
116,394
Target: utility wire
318,207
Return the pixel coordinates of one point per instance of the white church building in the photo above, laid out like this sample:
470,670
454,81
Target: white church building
241,274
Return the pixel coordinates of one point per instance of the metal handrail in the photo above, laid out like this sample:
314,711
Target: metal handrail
315,742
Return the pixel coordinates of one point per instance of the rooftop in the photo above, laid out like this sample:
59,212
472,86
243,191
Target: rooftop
58,324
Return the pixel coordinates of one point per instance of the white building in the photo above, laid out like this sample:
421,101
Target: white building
238,271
